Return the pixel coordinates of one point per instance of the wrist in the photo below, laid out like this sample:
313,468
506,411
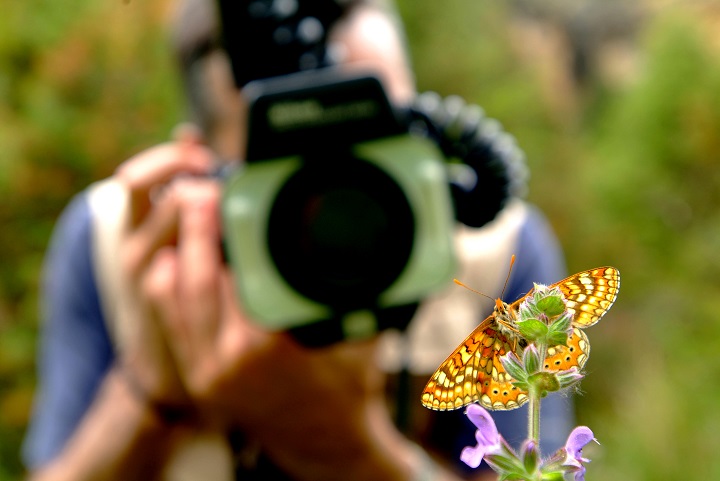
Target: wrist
158,411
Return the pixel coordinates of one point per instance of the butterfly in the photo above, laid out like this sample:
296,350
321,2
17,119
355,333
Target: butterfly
473,372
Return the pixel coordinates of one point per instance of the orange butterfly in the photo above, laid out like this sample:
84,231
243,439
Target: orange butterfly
473,373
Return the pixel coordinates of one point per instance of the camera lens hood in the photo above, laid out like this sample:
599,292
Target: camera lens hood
493,168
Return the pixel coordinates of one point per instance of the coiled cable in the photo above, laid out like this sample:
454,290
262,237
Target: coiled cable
492,169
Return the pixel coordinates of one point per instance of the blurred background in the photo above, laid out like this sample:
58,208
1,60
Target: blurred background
616,103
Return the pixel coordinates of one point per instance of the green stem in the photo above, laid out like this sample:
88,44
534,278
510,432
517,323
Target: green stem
542,350
534,404
534,415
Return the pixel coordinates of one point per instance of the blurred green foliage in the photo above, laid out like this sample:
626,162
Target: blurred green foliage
627,173
83,85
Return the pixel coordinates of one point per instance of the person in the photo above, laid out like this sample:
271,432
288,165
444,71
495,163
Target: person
150,369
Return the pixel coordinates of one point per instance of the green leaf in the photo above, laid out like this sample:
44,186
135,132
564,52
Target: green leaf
553,476
521,385
562,323
557,338
532,329
551,305
528,310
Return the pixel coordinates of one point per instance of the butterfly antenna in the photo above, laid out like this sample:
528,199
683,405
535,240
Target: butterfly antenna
507,279
471,289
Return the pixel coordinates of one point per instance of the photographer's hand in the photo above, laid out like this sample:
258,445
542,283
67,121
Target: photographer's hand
121,435
151,223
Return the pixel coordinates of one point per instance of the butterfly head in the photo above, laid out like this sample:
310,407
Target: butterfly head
504,312
500,306
506,319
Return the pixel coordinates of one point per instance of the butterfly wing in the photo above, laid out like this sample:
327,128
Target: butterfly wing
590,294
574,354
473,373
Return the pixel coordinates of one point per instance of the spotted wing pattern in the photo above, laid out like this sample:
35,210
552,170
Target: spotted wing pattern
576,353
473,373
590,294
471,370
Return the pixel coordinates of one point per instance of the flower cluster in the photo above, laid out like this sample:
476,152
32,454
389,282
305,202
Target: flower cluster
527,464
544,322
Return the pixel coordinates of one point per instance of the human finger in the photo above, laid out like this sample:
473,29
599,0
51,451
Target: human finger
159,282
157,228
159,291
200,261
155,167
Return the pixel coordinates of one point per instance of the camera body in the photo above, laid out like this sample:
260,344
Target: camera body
340,218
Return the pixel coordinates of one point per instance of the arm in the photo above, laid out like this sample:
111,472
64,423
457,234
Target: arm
76,354
119,438
87,424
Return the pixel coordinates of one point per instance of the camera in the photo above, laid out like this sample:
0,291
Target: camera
341,220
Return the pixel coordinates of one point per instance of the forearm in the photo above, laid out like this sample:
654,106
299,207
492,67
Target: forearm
119,438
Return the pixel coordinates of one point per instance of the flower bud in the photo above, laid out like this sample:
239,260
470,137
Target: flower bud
530,455
562,324
514,366
531,359
569,377
559,330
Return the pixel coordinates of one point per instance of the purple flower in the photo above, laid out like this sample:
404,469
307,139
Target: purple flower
487,436
578,438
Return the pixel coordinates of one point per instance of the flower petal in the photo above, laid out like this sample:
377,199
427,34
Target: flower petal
580,474
472,455
577,440
487,433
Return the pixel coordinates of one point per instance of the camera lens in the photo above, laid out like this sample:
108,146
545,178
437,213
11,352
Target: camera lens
340,231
